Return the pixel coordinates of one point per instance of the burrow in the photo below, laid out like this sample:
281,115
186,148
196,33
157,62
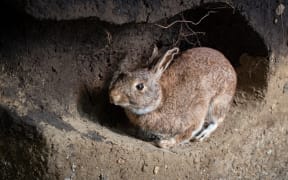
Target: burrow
215,25
77,58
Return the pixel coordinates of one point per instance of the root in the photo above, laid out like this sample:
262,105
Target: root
185,31
186,21
108,37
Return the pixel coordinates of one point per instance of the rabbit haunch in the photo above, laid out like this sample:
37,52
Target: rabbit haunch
180,101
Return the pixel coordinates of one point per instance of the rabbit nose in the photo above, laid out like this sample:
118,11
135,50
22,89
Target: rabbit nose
114,97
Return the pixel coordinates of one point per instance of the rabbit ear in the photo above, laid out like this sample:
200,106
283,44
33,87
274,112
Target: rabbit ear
164,62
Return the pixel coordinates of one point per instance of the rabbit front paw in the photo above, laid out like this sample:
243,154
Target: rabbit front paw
166,143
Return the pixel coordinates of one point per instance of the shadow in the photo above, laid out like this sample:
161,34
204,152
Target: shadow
23,150
93,104
227,30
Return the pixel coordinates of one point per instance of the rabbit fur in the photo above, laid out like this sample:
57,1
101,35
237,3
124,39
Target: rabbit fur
177,99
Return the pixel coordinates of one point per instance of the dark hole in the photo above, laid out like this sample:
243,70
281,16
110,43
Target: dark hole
100,76
226,30
53,70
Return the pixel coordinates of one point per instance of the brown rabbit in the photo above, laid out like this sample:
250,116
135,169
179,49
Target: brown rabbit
180,102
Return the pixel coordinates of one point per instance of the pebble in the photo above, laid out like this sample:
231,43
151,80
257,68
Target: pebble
156,170
144,167
121,161
280,9
73,167
269,152
103,177
285,88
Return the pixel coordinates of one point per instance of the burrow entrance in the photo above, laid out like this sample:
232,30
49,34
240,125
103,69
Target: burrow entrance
215,25
83,54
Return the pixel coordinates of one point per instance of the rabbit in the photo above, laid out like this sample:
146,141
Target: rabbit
181,97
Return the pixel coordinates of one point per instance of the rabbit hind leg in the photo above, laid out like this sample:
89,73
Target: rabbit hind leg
205,133
218,108
179,138
196,125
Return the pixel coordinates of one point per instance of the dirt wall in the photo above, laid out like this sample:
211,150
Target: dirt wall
56,61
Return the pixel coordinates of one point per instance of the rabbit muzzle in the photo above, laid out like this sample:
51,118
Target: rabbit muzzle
118,98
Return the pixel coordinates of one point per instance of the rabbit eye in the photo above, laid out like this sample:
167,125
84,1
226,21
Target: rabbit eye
140,86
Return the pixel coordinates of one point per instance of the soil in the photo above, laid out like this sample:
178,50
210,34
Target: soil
56,121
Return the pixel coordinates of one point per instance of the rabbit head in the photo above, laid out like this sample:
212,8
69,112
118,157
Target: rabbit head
139,91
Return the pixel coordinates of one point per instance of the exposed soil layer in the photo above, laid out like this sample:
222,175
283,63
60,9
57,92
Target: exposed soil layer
56,121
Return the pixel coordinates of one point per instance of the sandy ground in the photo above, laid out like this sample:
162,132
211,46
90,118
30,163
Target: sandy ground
250,144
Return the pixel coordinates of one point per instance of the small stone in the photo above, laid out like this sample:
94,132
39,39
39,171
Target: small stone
285,88
73,167
273,107
269,152
144,168
156,170
166,166
280,9
103,177
275,21
42,158
121,161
